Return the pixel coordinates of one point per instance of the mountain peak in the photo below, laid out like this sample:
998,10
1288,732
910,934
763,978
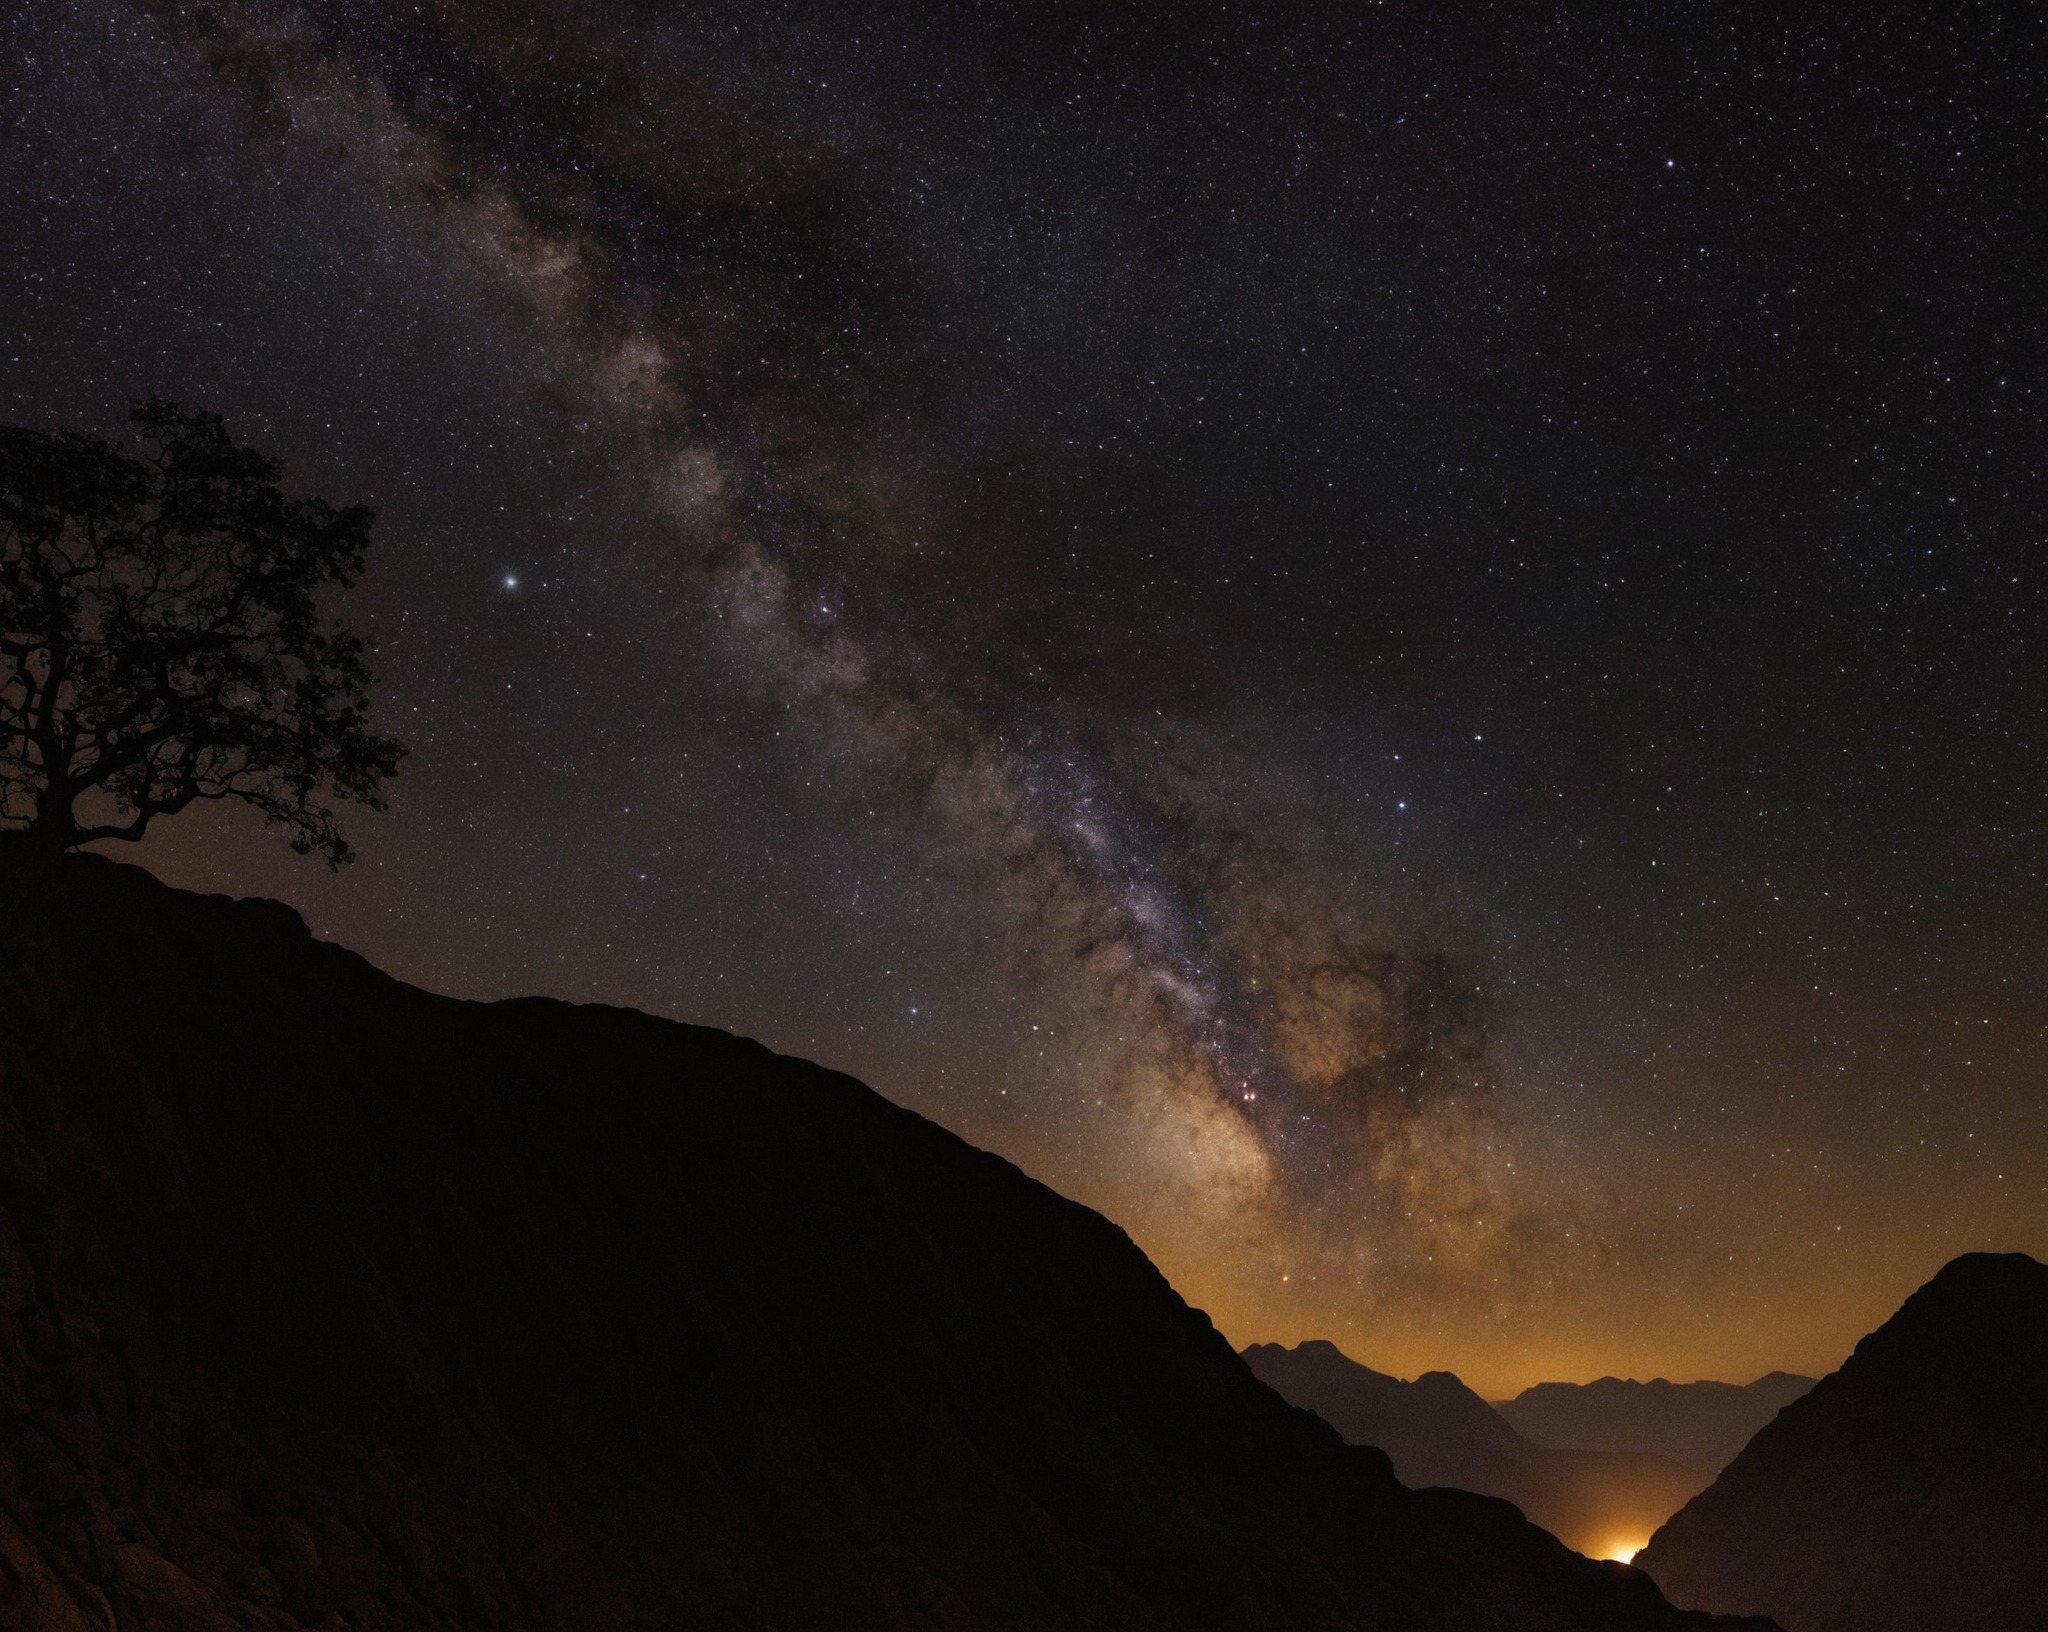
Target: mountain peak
1700,1424
1437,1431
1978,1295
1907,1490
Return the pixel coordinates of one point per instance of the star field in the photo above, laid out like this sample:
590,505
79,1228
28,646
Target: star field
1405,649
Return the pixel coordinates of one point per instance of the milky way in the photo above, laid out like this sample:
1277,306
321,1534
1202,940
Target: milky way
1399,652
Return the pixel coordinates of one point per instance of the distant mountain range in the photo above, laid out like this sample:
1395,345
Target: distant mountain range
1908,1491
1438,1432
1701,1425
329,1303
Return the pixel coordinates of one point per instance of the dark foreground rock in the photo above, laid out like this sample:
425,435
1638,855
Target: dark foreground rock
325,1302
1908,1492
1438,1432
1701,1425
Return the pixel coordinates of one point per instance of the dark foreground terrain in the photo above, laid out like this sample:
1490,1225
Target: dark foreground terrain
1908,1492
325,1302
1438,1432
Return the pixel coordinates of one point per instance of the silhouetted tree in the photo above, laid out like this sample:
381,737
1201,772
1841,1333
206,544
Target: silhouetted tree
161,641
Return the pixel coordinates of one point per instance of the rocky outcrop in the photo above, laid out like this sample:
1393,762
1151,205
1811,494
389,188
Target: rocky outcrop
1701,1425
1908,1492
1438,1432
328,1303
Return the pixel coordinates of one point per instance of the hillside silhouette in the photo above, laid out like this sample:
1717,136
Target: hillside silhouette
1908,1492
332,1303
1438,1432
1701,1425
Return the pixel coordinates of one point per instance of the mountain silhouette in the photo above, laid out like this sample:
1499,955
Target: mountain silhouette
1438,1432
329,1303
1702,1425
1908,1490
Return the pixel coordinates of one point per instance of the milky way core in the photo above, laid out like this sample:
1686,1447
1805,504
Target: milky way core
1400,650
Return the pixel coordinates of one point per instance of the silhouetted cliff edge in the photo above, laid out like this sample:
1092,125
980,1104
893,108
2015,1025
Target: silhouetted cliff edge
1908,1492
325,1302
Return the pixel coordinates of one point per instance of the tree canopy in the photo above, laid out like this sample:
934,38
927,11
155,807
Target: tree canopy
162,643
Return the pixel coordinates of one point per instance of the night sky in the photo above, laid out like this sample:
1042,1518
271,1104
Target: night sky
1405,649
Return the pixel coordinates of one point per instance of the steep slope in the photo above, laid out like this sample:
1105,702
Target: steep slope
1438,1432
1702,1425
325,1302
1909,1490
